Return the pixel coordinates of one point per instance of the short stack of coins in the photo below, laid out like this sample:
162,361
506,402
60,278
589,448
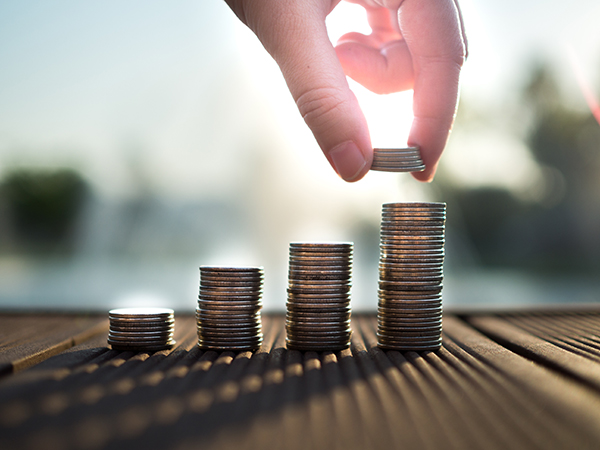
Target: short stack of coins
397,160
141,329
318,303
229,304
409,315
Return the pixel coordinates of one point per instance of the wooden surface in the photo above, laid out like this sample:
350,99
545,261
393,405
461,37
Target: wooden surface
500,381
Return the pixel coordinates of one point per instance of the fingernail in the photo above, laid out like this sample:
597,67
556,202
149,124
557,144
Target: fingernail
348,161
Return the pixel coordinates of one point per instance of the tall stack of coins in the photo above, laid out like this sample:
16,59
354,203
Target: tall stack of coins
410,276
318,304
141,329
228,314
397,160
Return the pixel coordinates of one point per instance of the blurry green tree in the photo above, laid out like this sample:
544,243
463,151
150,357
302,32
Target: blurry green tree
41,208
561,230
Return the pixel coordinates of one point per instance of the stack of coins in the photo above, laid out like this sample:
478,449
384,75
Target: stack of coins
141,329
228,314
397,160
410,276
318,304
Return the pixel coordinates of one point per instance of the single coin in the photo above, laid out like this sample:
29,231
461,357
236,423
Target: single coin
240,269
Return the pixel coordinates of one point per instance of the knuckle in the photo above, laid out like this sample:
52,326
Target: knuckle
320,105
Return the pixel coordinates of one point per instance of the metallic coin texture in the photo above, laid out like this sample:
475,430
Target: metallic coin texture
141,329
397,160
318,296
229,303
409,314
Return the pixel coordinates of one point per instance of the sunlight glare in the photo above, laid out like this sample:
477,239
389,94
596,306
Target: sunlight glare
389,116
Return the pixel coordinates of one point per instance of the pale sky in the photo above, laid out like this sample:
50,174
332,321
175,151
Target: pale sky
178,94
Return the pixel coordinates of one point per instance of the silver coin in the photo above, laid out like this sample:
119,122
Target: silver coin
234,317
407,321
406,270
397,156
411,239
318,321
322,246
142,348
394,278
224,285
231,307
402,149
426,205
411,326
391,316
141,312
296,325
399,302
412,230
315,254
423,319
405,169
414,332
150,321
142,323
235,269
386,339
307,274
230,345
320,264
318,339
401,243
149,333
311,344
223,346
233,299
229,327
243,290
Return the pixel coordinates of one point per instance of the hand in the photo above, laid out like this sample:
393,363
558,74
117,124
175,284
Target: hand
415,44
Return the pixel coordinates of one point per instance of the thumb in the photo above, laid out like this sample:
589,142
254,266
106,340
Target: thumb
294,33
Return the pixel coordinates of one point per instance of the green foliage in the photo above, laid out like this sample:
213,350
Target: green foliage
42,206
559,232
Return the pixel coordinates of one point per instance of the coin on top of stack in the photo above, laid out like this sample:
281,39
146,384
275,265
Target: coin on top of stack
141,329
229,303
318,303
409,315
397,160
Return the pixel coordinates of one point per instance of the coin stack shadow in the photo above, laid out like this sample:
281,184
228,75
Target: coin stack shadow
141,329
229,303
397,160
318,303
409,315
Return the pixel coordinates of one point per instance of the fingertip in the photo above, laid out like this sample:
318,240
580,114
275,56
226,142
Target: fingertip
349,161
426,176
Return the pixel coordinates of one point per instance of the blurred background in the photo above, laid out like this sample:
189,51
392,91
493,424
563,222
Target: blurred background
139,140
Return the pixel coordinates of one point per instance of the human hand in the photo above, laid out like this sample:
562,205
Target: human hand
415,44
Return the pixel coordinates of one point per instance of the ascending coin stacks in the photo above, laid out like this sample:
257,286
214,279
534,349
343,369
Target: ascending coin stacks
409,315
228,314
141,329
318,303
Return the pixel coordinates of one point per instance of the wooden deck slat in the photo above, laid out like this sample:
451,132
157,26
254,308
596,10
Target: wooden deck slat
476,392
26,340
540,349
572,403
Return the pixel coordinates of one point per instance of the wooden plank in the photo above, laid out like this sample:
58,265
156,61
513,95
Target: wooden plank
563,332
27,340
539,349
473,393
574,404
